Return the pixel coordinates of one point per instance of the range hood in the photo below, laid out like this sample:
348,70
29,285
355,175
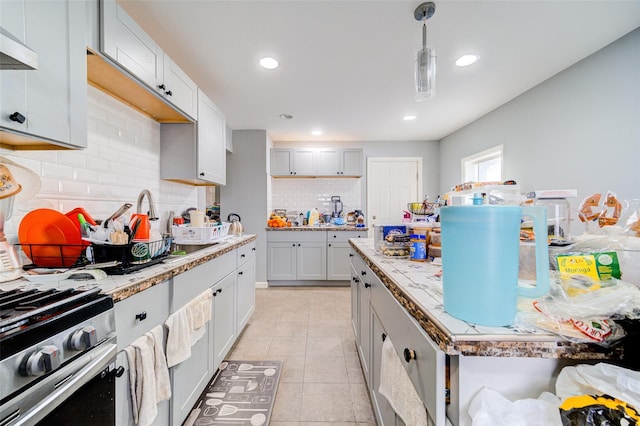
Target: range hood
14,55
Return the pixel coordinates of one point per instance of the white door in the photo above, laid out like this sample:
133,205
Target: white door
392,183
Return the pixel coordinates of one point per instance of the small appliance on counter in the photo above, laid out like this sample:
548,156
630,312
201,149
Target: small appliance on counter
336,206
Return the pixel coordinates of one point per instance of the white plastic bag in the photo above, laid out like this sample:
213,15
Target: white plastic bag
489,408
621,383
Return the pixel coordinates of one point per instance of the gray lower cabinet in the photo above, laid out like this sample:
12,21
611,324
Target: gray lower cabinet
231,277
246,292
297,255
224,318
135,316
377,313
339,254
309,255
48,105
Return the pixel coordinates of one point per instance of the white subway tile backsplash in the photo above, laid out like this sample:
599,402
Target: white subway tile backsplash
121,159
304,194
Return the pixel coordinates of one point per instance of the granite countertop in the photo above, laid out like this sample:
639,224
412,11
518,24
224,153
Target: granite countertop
319,228
122,286
418,288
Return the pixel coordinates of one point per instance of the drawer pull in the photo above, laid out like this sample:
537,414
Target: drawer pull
350,254
253,249
363,273
384,337
367,285
409,354
219,290
141,316
240,273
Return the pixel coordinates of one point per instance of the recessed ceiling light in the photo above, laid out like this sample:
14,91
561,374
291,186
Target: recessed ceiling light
286,116
316,132
409,117
466,60
269,63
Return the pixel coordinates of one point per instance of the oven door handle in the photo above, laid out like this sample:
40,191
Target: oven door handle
94,363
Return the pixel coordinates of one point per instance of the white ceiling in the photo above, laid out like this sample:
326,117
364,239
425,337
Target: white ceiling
346,67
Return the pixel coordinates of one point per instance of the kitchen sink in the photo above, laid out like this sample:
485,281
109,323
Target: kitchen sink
190,248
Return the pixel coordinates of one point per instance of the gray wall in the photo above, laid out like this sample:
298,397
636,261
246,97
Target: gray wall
428,150
247,189
579,129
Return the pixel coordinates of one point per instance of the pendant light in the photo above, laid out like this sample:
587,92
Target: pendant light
425,66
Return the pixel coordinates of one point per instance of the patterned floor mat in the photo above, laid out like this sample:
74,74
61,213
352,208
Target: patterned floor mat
241,393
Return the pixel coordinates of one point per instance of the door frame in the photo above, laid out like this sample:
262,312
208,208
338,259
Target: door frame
370,161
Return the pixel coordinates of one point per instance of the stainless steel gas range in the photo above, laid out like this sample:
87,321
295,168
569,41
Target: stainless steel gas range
57,357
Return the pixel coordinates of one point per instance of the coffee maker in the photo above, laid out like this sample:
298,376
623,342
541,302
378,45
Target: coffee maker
336,206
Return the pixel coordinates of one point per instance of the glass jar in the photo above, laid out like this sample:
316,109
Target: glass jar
558,218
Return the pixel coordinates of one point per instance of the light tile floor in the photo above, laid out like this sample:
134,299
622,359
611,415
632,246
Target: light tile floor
309,329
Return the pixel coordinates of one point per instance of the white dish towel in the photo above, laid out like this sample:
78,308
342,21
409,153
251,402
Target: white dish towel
396,386
148,376
186,326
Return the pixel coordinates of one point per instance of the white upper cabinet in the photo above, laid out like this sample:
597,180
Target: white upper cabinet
178,88
281,162
195,154
125,42
351,161
304,162
46,106
212,141
323,163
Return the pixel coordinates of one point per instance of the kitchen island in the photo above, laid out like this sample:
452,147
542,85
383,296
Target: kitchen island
310,255
447,360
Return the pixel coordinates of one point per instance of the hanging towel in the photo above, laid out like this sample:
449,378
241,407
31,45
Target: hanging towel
140,355
178,338
396,386
186,326
163,385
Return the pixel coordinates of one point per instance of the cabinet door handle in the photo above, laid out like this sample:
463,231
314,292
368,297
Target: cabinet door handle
253,249
363,273
384,337
118,372
329,245
162,87
298,245
168,93
201,173
242,255
367,285
219,290
335,236
16,116
350,254
294,244
240,273
409,354
141,316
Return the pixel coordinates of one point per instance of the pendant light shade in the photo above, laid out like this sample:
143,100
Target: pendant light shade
425,65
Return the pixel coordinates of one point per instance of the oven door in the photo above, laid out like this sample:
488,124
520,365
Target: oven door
81,392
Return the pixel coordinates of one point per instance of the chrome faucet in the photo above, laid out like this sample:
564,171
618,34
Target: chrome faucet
152,209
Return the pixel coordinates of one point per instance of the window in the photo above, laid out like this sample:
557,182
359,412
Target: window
485,166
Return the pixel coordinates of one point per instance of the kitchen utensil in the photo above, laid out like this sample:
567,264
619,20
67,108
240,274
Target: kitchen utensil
247,367
480,261
50,238
251,384
268,384
236,389
223,365
122,210
269,372
57,275
209,412
143,227
236,227
228,378
230,410
216,401
196,218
